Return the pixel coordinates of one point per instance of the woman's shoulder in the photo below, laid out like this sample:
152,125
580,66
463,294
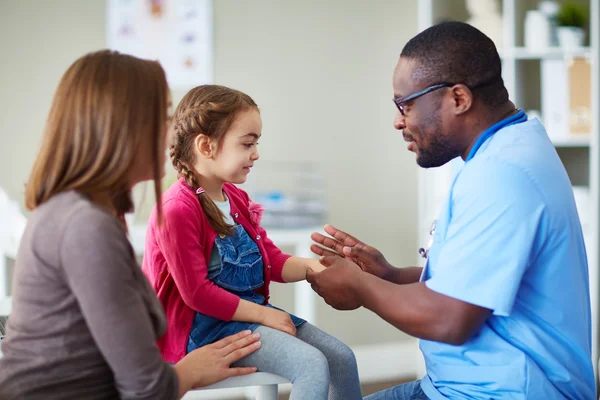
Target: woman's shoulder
69,208
65,220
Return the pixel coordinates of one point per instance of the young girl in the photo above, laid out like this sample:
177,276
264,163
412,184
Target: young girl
211,262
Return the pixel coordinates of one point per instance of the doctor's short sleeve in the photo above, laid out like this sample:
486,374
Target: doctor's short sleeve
496,222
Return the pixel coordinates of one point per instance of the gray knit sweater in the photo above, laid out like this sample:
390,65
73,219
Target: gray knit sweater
85,319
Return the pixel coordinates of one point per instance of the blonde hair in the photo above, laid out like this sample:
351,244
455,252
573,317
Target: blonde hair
106,108
208,110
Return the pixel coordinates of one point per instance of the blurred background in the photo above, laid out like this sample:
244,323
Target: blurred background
321,73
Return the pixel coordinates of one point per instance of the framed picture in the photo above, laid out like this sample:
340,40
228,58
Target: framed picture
177,33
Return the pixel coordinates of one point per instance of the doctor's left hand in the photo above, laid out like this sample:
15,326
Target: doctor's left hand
338,284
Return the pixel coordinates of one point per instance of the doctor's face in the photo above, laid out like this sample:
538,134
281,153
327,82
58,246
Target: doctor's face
421,118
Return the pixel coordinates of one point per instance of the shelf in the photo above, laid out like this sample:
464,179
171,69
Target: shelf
572,141
523,53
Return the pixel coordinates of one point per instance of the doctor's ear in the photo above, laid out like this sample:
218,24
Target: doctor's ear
205,146
462,98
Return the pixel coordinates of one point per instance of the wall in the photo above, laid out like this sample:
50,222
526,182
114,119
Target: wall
321,71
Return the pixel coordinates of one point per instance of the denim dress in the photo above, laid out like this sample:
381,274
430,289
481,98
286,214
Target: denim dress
241,273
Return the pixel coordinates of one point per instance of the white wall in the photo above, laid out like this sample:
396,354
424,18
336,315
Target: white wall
38,42
321,74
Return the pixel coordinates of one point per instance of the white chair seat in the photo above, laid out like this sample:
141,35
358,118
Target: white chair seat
267,385
256,379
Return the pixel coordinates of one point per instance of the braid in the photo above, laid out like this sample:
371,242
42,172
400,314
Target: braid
188,175
214,214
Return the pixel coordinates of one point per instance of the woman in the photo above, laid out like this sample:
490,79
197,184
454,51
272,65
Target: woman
85,320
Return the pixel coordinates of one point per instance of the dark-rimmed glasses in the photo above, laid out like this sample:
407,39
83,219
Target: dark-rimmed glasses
400,101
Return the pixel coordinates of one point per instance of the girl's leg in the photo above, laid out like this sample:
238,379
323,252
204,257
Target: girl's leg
343,370
285,355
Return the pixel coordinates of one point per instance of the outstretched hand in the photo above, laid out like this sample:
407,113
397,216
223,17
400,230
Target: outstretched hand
338,284
368,258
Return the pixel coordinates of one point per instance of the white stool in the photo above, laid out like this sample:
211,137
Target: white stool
267,385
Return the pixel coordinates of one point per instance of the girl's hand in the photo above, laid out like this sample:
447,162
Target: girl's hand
279,320
314,265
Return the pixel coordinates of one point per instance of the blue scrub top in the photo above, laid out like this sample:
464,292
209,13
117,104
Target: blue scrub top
509,239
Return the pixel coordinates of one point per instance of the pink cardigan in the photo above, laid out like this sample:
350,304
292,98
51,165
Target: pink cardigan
175,262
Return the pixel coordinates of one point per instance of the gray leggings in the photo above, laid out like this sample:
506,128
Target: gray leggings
319,366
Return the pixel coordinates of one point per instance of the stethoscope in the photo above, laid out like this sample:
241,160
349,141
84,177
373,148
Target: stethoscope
424,251
517,118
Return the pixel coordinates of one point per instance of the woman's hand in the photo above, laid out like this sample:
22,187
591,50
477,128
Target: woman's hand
211,363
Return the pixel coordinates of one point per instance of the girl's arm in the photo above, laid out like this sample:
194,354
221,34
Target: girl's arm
294,269
248,311
267,316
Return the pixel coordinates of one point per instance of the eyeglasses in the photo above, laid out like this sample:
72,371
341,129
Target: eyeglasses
400,101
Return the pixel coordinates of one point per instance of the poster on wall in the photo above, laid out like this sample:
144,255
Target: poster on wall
177,33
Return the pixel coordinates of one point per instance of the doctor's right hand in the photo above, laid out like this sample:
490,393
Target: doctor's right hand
368,258
277,319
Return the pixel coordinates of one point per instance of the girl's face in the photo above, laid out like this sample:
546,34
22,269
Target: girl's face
238,151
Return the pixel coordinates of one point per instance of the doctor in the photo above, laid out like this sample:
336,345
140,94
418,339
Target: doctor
502,306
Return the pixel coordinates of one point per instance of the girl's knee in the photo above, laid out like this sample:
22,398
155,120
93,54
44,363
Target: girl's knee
313,359
345,355
339,354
